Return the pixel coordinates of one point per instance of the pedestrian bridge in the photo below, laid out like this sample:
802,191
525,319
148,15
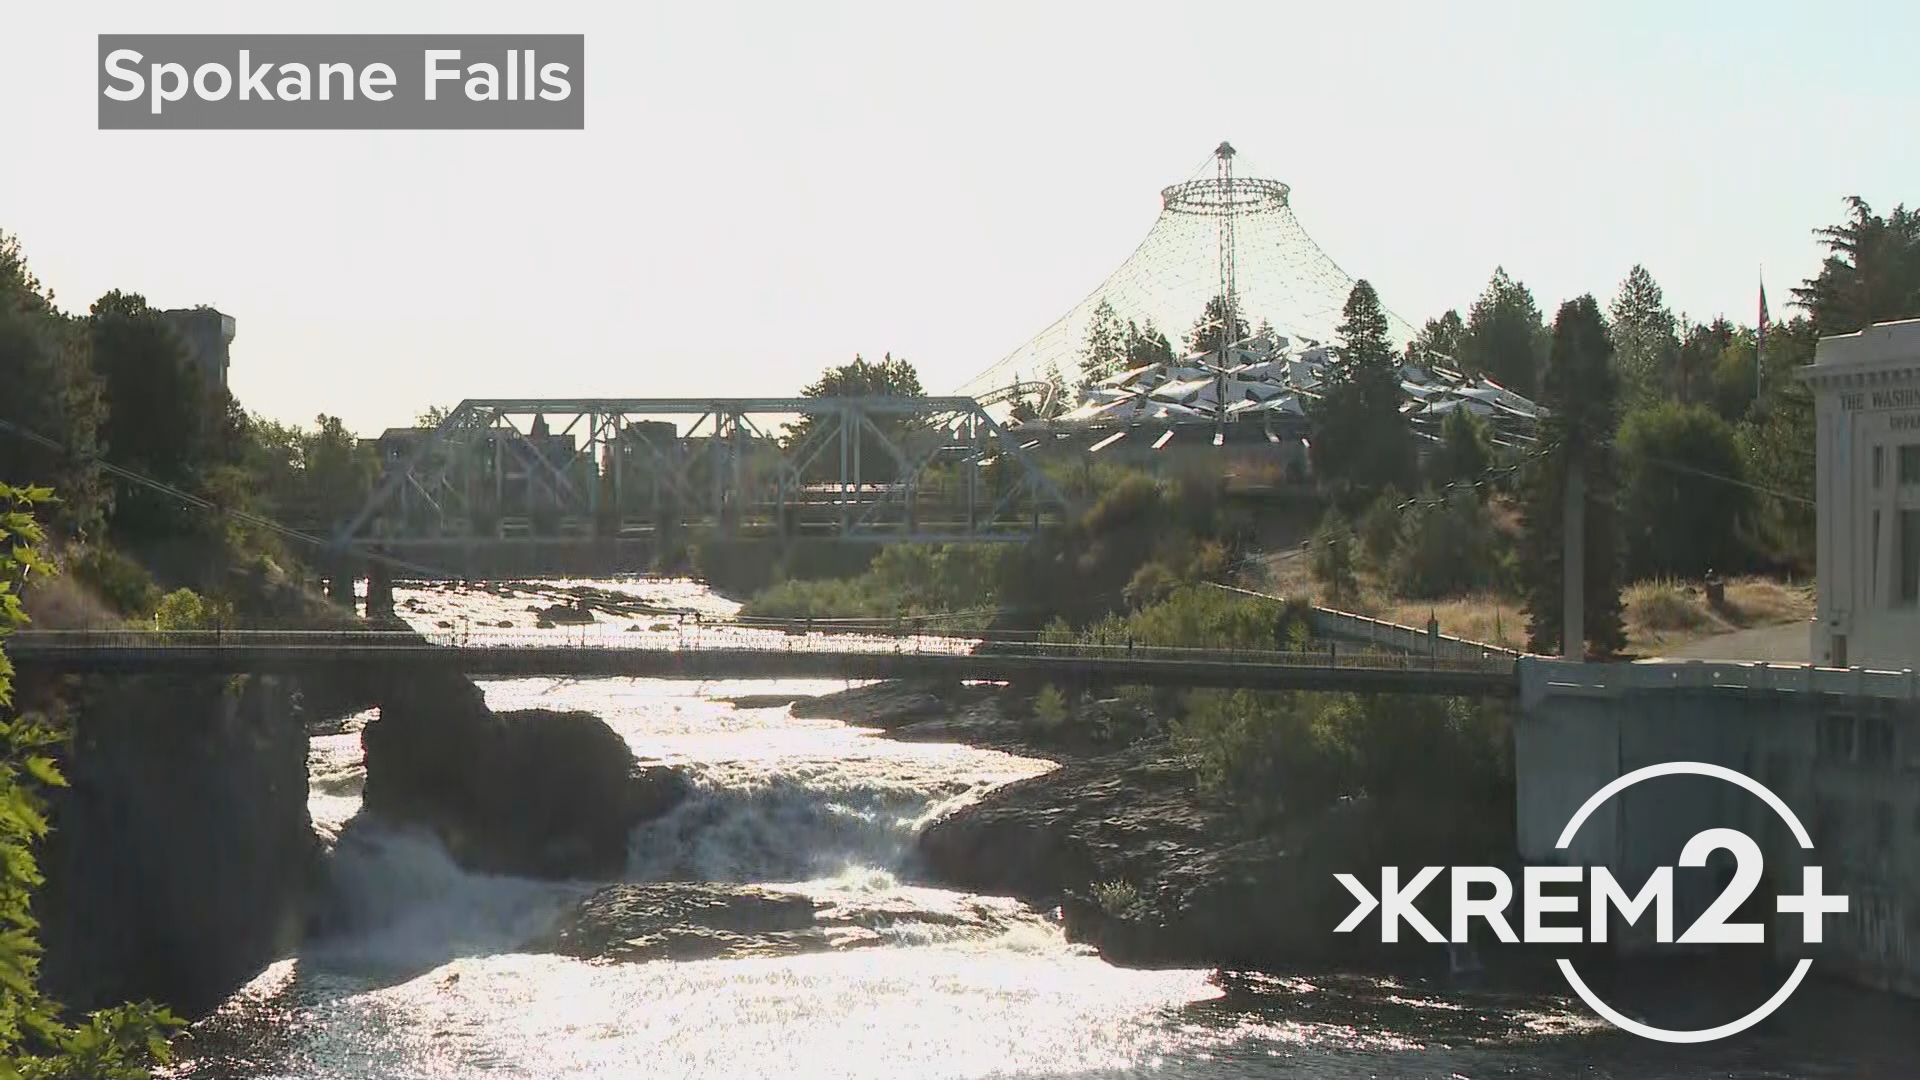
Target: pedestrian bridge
721,652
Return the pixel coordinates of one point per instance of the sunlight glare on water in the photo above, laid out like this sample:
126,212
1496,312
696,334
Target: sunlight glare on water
429,971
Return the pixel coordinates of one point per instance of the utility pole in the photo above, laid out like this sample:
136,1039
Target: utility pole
1573,625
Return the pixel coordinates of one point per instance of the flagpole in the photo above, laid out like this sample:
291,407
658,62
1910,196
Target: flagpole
1760,341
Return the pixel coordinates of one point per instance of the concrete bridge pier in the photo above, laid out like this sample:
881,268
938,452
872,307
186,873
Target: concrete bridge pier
379,590
339,583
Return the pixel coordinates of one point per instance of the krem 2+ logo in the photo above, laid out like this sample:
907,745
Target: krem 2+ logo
1395,901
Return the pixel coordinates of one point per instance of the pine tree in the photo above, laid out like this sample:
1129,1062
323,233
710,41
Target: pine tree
1105,352
1646,347
1580,395
1441,337
1871,273
1147,345
1209,333
1361,444
1056,400
1463,455
1504,338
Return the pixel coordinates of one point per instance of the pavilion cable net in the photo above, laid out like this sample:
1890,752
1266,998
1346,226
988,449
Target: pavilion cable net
1220,236
1226,251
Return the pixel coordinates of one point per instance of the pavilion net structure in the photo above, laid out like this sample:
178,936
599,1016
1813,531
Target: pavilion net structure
1217,235
1228,248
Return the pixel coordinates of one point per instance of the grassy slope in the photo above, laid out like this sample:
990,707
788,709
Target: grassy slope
1660,615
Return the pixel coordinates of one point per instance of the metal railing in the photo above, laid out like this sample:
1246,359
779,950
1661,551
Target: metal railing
716,637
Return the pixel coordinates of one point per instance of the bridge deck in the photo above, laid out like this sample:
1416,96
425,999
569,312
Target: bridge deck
810,656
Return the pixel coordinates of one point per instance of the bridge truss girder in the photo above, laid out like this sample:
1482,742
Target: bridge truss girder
881,469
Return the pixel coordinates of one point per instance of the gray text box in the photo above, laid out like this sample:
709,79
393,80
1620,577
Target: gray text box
535,81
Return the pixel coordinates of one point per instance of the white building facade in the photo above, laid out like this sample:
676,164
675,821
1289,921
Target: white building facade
1867,401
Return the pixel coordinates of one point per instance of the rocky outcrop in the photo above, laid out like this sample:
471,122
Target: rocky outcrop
885,705
534,793
694,922
685,921
1151,871
1138,860
181,850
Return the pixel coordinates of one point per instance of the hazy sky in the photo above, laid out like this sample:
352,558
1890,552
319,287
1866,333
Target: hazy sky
762,190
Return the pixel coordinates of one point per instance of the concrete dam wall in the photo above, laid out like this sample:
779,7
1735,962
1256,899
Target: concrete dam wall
1840,748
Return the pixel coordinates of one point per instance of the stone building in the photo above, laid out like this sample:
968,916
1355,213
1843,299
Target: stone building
208,334
1867,394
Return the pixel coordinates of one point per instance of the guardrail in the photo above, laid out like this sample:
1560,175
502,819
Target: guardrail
1329,622
1347,626
1541,677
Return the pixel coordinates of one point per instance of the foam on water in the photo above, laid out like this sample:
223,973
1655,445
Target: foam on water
398,903
424,971
813,805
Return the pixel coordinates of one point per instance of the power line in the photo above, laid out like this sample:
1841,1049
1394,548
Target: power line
201,503
1690,470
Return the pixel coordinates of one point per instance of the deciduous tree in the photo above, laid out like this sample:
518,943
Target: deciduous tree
36,1040
48,394
863,378
1683,503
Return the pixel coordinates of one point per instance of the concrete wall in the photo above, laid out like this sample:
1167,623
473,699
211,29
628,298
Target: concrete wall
1841,748
1345,626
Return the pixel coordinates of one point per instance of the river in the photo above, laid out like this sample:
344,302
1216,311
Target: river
431,975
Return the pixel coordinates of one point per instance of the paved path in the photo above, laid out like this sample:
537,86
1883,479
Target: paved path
1786,644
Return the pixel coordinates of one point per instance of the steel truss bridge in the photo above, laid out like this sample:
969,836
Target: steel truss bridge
612,474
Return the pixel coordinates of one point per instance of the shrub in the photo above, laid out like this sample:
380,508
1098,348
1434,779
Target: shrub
1447,548
1277,754
1150,585
1683,504
1332,558
1379,529
829,598
1049,709
1204,617
121,583
1117,899
37,1038
184,609
1665,606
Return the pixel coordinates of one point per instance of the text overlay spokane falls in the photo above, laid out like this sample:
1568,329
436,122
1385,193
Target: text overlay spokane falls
342,81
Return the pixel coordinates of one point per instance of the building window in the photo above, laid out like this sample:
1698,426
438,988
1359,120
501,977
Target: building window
1879,467
1909,549
1909,465
1874,599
